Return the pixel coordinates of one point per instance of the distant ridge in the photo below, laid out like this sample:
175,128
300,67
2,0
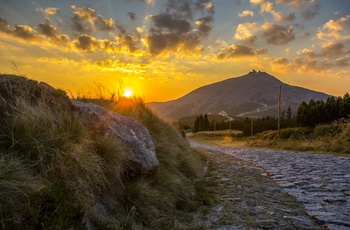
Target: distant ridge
253,95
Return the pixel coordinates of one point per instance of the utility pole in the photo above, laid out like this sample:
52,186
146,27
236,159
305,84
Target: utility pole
279,112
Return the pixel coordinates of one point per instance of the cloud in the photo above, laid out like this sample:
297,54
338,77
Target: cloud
176,30
44,31
86,20
334,49
4,26
25,32
86,43
335,30
269,7
238,52
332,55
123,44
296,3
52,34
132,15
246,13
280,65
244,32
205,25
51,11
149,2
128,42
171,24
342,62
310,13
277,35
307,54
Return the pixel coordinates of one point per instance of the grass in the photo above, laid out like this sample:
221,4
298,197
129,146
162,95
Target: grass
328,138
57,174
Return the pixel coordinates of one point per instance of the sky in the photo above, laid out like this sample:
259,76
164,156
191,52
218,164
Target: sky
163,49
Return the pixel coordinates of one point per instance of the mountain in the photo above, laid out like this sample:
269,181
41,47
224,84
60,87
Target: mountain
253,95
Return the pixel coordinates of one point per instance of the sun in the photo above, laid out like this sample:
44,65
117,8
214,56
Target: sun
128,92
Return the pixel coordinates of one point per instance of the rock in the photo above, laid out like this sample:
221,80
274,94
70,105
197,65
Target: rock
129,131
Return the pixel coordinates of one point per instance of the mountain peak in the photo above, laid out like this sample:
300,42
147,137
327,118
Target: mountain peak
254,94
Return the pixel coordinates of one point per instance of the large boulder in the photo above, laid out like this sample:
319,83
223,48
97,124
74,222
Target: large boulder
131,132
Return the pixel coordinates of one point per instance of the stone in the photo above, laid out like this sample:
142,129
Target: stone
131,132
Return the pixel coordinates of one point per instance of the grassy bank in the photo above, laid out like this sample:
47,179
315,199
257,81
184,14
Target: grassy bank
57,174
330,138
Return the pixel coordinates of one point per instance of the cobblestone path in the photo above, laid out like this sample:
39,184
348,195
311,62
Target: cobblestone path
320,181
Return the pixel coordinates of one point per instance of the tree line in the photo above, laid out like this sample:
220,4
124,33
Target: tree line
202,123
308,115
320,112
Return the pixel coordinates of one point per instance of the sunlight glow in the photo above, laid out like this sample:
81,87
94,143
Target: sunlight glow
128,92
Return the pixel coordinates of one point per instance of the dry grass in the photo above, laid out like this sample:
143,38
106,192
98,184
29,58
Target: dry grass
330,138
54,174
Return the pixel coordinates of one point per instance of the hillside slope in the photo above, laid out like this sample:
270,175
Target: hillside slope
254,94
61,169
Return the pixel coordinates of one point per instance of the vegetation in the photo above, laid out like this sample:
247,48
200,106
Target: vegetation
332,138
57,174
320,112
244,124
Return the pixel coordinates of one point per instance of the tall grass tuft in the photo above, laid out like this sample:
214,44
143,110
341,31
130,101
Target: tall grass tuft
57,174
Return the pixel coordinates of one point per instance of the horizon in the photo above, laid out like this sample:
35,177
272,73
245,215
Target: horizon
162,51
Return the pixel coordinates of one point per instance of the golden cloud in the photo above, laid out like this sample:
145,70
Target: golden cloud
335,30
244,32
238,52
246,13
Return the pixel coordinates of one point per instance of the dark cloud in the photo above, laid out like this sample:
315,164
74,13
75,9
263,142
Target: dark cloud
86,43
168,22
176,29
4,26
205,25
311,12
157,43
86,20
334,49
287,18
25,32
238,51
52,34
20,31
277,35
132,15
128,42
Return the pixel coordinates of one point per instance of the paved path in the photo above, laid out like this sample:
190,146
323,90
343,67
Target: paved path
320,181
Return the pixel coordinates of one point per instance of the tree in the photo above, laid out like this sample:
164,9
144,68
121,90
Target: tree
206,123
196,125
289,113
303,114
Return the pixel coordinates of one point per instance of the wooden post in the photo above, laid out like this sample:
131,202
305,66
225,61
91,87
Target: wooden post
230,126
251,128
214,128
279,112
